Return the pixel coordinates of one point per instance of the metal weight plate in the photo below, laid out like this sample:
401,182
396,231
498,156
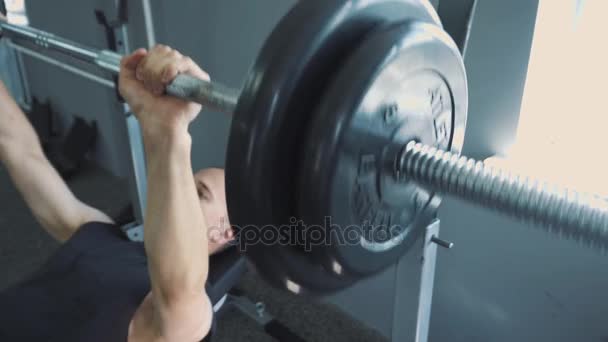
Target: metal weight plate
283,88
405,82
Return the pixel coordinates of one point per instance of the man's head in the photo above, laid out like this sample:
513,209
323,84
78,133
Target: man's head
210,187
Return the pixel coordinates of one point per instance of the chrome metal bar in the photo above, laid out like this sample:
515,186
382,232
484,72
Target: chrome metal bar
149,22
49,41
415,274
62,65
561,211
210,94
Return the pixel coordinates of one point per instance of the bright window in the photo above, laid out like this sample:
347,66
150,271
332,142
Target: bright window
563,128
15,12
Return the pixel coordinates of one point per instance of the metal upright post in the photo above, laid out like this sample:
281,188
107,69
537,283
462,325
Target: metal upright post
139,181
137,178
412,314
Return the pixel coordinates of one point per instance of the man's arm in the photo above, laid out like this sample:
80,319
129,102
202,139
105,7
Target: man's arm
175,232
46,194
175,238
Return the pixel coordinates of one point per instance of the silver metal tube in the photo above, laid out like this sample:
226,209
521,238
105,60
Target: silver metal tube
564,212
48,41
62,65
210,94
149,22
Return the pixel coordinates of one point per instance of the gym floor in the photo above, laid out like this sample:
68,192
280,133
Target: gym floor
24,246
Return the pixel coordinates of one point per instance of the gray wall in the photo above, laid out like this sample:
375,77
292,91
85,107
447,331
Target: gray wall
502,282
505,281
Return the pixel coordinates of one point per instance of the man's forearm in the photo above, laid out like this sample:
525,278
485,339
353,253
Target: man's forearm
15,130
174,229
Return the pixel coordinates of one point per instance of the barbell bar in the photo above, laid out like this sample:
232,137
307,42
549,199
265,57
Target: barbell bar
407,163
559,210
213,95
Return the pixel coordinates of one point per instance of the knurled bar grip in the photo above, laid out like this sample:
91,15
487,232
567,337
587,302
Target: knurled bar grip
210,94
566,213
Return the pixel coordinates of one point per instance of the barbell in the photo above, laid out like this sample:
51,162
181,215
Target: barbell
347,128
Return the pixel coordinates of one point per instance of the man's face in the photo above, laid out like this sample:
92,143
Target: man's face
210,188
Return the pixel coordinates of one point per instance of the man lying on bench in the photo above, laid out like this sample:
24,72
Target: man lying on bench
99,286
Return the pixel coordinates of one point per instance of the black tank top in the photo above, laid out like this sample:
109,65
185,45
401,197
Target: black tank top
87,291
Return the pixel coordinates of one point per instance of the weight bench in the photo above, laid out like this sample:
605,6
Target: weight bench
225,270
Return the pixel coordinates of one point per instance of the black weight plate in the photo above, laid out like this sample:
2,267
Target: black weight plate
282,89
405,82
